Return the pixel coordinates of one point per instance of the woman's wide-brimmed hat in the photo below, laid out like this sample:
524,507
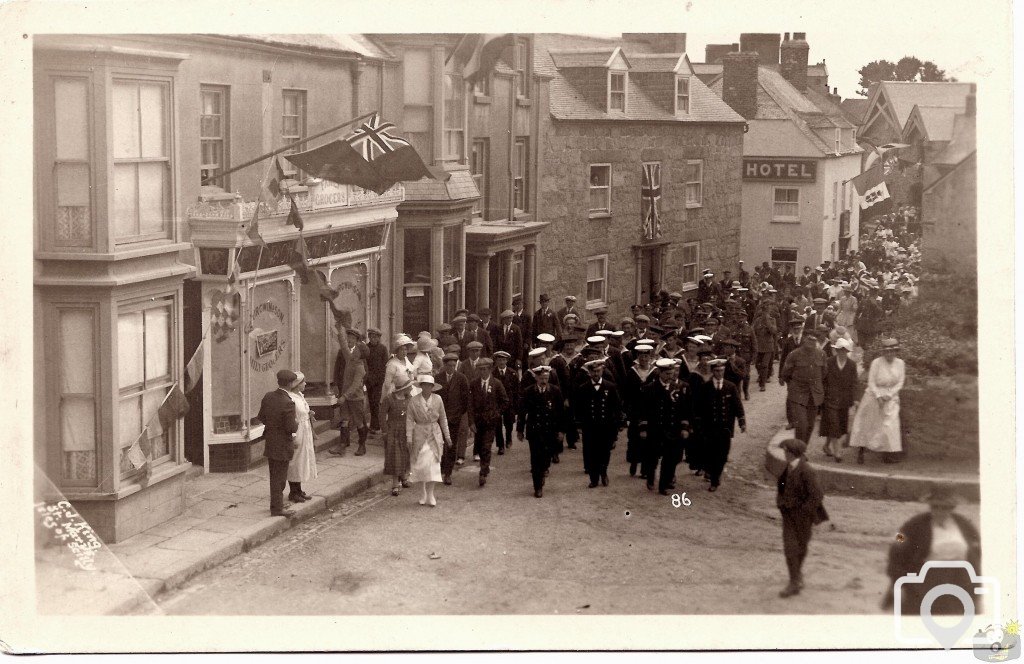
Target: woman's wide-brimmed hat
423,344
407,384
299,379
424,379
890,344
404,340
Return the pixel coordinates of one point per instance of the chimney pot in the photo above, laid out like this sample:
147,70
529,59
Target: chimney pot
786,38
799,36
793,62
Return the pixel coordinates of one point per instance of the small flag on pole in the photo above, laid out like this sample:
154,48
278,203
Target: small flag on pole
233,278
326,292
870,186
174,407
294,218
194,369
253,230
276,176
340,163
300,260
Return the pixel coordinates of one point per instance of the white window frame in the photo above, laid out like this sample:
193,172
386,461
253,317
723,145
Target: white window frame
625,90
786,218
699,202
223,92
455,136
690,285
518,275
301,98
521,175
522,62
479,178
685,109
607,210
839,139
603,301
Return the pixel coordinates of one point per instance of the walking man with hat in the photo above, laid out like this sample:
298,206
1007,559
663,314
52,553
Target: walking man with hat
544,319
277,412
599,413
510,380
799,499
376,363
720,406
453,388
509,338
349,381
802,375
669,411
542,414
569,308
487,401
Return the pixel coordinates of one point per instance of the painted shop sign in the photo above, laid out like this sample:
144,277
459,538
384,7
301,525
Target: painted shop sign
787,170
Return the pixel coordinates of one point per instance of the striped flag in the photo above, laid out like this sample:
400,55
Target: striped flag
194,369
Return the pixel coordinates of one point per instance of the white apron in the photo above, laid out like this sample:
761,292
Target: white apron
302,467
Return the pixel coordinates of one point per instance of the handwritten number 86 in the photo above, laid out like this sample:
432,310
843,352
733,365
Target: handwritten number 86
680,500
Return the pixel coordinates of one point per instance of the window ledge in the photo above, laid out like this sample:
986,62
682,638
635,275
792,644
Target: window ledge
785,221
524,101
599,215
481,99
690,206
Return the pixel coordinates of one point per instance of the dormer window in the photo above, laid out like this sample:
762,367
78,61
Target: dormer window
683,95
617,91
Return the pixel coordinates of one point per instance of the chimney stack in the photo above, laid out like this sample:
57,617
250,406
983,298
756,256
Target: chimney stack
793,66
765,44
713,53
660,42
739,82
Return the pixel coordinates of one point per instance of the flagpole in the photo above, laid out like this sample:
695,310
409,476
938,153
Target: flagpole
218,176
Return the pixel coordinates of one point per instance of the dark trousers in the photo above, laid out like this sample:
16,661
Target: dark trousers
634,442
540,457
695,449
572,432
717,453
803,419
278,480
797,526
763,361
373,394
503,429
450,453
669,452
482,443
597,450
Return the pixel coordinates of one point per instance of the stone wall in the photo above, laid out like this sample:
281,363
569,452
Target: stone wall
568,149
950,220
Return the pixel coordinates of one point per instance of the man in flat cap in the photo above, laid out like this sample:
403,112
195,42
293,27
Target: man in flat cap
542,413
643,328
720,408
277,412
602,322
509,338
487,401
453,388
476,333
569,308
766,339
472,356
376,364
802,375
488,325
799,500
668,414
510,379
598,411
545,320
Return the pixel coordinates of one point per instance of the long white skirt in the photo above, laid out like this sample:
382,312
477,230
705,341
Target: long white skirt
426,467
877,428
303,464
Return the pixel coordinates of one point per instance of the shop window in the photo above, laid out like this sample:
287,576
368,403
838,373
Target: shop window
690,260
452,278
517,274
417,73
72,163
597,281
416,289
142,162
77,394
313,331
225,351
213,134
145,342
787,204
270,341
600,189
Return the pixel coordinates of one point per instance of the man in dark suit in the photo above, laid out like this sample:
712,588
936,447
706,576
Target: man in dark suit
509,338
802,375
634,381
720,408
599,412
545,320
487,401
668,412
817,317
569,308
376,362
799,500
277,412
602,323
766,335
488,325
521,319
476,333
453,388
542,412
791,341
473,353
510,379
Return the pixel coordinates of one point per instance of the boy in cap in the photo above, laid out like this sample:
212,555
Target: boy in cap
799,500
476,333
720,408
487,401
668,413
542,413
508,378
599,414
277,412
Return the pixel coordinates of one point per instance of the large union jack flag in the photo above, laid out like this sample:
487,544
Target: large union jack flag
650,194
373,138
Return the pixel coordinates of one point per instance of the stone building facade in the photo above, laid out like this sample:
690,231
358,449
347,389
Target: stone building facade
593,153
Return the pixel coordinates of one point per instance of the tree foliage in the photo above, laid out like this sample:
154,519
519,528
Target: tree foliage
908,68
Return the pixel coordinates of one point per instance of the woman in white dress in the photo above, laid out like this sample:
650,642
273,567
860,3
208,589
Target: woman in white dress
847,309
876,426
302,467
427,434
398,369
421,363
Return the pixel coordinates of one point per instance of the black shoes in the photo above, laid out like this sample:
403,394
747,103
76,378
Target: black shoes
604,479
501,451
362,449
592,484
483,480
539,493
663,492
297,498
713,488
554,459
792,589
632,470
447,479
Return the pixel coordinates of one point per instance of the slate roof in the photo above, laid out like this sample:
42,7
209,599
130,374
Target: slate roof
961,146
589,57
777,99
340,43
658,62
458,187
936,121
903,96
854,109
568,103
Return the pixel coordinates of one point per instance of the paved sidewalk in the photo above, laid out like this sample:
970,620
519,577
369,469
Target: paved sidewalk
228,513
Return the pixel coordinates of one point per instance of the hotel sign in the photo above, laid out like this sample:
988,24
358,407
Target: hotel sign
786,170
